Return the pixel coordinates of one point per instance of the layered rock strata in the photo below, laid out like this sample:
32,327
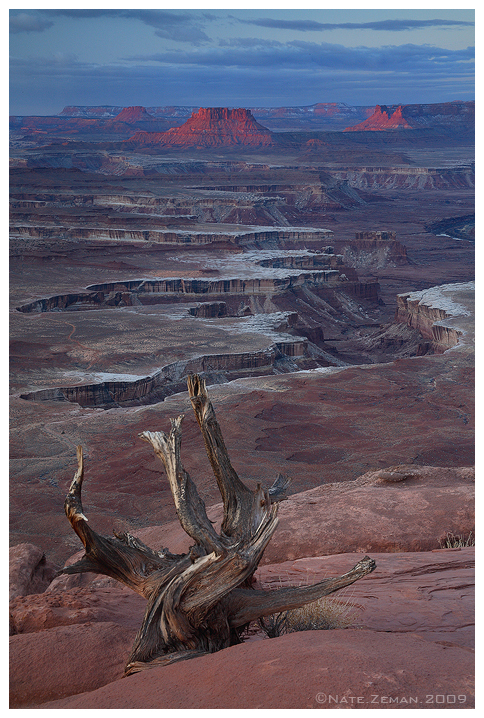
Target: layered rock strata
282,357
412,178
438,314
262,236
156,291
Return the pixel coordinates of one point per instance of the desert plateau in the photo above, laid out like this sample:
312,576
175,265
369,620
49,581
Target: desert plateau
300,280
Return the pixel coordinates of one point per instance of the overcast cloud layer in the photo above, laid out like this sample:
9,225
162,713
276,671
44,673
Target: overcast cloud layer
237,58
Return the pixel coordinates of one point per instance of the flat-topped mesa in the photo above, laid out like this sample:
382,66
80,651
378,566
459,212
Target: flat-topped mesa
211,127
133,114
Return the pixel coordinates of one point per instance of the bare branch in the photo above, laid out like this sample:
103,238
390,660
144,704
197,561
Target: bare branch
128,561
189,506
238,499
278,490
256,604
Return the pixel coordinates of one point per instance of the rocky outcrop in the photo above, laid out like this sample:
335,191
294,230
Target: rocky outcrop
451,115
383,118
65,660
133,114
320,116
209,310
433,589
211,127
438,314
29,570
301,671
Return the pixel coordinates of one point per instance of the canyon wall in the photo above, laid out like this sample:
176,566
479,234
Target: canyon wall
129,292
283,356
432,311
266,235
417,178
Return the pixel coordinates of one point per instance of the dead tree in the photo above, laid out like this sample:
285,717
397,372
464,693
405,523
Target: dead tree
201,601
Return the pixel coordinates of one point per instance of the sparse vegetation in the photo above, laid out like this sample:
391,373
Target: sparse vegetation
460,541
321,615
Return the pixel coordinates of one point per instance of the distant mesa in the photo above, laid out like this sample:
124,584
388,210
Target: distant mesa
133,114
454,116
211,127
383,118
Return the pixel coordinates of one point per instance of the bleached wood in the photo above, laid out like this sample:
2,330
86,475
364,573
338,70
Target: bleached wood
198,602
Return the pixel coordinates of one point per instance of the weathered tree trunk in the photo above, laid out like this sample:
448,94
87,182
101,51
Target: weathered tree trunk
201,601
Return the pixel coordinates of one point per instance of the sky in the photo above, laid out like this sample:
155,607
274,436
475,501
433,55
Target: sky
245,57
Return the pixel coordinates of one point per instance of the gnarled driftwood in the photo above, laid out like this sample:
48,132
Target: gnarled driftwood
201,601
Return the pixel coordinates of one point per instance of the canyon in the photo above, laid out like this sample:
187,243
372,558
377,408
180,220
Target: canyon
320,281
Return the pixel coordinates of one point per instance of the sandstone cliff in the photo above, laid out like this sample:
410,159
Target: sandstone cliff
443,315
383,118
211,127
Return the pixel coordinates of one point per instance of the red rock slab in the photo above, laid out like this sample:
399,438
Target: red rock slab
429,594
312,669
29,571
401,508
64,607
66,660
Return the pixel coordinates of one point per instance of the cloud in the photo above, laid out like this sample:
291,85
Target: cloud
182,26
385,25
60,80
302,55
28,22
191,34
249,42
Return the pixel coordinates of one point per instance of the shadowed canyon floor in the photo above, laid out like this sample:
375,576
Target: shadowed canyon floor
323,286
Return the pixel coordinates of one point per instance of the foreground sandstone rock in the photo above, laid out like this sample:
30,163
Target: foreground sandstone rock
29,570
316,669
66,659
410,645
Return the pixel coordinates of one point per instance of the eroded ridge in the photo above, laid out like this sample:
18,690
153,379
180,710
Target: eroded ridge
329,268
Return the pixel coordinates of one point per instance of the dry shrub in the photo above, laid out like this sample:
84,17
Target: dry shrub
321,615
453,541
